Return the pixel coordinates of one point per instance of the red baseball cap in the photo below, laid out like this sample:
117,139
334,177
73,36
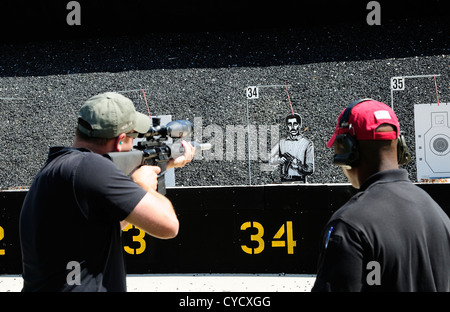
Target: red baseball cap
364,119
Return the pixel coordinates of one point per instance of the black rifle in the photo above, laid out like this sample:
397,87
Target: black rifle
155,150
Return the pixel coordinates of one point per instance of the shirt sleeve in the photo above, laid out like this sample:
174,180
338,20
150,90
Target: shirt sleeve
341,260
102,191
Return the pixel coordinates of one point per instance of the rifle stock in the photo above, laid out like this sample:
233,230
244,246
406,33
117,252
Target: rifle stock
127,161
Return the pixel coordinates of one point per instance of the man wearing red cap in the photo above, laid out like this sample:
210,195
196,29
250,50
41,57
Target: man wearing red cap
390,236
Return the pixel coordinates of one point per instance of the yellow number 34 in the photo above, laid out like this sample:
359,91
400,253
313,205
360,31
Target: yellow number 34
289,242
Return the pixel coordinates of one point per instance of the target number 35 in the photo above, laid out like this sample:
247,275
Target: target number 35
397,83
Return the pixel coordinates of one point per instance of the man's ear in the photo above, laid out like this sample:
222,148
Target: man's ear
118,144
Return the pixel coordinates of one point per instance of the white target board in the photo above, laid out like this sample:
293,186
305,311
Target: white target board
432,130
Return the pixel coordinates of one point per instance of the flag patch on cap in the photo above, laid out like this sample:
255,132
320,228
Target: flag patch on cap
382,114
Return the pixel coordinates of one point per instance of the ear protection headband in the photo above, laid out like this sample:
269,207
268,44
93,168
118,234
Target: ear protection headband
403,155
347,152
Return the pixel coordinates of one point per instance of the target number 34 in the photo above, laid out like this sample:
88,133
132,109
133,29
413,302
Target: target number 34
252,92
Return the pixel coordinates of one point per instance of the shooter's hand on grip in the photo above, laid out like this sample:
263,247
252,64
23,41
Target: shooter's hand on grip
147,177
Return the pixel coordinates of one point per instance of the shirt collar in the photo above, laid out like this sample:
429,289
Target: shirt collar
56,151
291,137
385,176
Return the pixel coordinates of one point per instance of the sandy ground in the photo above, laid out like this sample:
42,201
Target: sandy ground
198,283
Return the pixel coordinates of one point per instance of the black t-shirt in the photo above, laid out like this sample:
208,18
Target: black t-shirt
391,236
70,223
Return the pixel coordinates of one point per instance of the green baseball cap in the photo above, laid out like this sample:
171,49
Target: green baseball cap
109,114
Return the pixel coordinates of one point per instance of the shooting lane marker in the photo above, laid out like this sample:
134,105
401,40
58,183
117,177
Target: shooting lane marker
252,92
398,84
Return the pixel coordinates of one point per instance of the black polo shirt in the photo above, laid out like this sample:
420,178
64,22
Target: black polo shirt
70,223
390,236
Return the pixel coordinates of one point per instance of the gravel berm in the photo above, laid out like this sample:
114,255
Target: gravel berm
202,76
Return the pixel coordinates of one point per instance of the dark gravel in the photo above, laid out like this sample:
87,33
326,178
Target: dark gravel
204,74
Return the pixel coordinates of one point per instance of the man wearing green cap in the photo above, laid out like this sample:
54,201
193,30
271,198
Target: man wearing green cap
71,219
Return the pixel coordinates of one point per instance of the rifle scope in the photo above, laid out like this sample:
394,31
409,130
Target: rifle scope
174,129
